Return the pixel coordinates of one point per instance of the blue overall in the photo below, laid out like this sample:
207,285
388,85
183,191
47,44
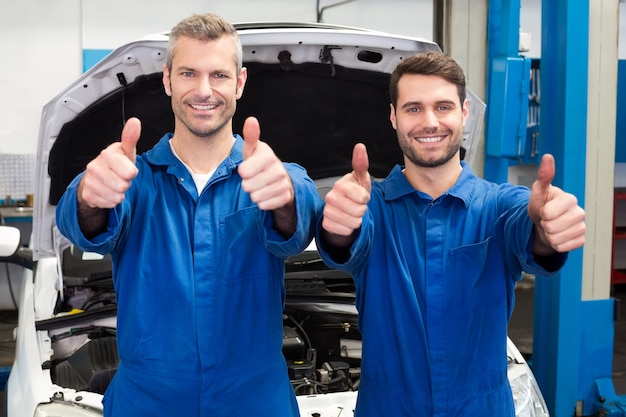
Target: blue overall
435,290
199,281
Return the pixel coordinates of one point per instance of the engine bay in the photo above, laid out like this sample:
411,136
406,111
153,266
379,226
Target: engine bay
321,342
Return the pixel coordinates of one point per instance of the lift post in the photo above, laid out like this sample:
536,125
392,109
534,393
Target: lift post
572,339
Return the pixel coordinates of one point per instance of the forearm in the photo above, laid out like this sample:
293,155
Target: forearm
541,246
338,246
91,220
285,220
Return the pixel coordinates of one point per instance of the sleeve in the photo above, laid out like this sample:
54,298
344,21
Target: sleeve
67,222
519,237
358,253
308,204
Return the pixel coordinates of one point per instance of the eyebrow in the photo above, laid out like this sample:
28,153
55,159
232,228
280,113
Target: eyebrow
419,103
184,68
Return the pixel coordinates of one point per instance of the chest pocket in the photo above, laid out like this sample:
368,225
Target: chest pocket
478,277
243,255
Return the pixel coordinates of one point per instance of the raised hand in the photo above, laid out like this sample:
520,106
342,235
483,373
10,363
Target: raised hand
263,175
558,219
346,202
109,175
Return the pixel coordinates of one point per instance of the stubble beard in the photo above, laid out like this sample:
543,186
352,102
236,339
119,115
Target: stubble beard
418,160
206,128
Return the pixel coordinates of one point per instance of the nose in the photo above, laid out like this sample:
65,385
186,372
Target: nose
429,119
204,87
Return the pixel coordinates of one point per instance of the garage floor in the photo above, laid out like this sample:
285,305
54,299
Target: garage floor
520,331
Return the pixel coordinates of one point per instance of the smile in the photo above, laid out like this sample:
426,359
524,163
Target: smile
204,106
430,139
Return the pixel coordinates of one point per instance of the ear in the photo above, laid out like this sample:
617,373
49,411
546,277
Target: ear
465,111
392,116
241,81
167,83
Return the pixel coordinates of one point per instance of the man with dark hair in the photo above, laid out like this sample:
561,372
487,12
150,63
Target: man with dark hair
435,253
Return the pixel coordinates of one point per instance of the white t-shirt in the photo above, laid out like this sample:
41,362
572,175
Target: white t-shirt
199,179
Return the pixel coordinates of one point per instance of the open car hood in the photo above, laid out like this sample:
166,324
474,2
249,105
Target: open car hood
316,90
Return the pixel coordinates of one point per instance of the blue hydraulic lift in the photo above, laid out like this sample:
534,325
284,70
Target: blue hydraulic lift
573,339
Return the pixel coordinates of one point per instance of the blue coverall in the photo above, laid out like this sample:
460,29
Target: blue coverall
199,282
435,286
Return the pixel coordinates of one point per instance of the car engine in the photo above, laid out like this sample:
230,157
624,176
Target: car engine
321,342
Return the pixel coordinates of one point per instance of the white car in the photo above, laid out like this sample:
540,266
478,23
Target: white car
316,90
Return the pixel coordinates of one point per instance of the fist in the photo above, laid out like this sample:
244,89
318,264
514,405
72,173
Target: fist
263,175
346,202
110,174
558,219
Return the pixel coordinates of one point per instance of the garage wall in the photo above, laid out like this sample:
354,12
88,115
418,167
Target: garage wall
530,21
38,51
43,41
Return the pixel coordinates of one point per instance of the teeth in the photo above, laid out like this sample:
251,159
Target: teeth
203,107
430,139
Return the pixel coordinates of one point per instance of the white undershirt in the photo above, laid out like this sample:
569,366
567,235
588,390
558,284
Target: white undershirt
199,179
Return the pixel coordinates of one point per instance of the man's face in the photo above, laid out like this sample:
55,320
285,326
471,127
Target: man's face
204,85
428,119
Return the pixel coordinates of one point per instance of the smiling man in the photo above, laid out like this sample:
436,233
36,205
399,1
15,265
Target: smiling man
435,253
198,229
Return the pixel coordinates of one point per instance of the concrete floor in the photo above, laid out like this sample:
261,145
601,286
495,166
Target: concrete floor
520,331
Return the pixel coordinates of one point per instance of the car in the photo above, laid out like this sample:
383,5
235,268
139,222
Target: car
317,90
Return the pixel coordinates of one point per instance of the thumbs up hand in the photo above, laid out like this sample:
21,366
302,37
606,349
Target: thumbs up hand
263,175
559,220
346,202
109,175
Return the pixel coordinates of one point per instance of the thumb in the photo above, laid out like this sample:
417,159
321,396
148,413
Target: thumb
130,137
545,175
251,136
360,165
540,191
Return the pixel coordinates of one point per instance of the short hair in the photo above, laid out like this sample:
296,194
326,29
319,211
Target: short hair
203,27
429,63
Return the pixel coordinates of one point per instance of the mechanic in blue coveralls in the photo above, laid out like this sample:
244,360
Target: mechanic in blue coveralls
435,253
198,229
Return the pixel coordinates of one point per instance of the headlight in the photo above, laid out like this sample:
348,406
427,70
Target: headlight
65,409
528,399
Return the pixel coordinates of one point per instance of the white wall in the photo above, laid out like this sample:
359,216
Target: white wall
621,52
111,23
406,17
43,40
39,50
530,21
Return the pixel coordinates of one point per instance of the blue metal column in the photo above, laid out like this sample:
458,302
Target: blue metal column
573,339
557,319
503,42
